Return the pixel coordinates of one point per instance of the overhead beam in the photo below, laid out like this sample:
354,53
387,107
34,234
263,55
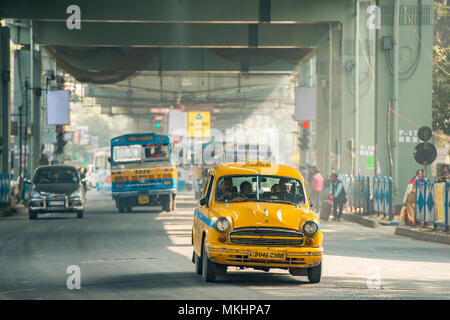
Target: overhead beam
198,60
190,11
180,35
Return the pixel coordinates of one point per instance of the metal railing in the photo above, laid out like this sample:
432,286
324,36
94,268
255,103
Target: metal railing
382,196
5,190
432,203
358,193
361,198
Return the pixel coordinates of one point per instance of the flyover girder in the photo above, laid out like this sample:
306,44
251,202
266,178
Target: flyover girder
180,35
229,11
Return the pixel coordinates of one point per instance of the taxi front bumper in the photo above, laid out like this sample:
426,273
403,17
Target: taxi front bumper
295,257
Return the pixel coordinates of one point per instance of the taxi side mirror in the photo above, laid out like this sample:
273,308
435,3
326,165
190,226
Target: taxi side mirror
203,201
311,203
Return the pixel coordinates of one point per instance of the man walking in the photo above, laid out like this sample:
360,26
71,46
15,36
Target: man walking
337,194
317,188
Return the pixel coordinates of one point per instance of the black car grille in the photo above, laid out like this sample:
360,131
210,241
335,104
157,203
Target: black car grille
266,237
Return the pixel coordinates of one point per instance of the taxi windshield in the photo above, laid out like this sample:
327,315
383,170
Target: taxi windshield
274,189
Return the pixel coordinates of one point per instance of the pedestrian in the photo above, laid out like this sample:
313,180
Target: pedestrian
445,175
317,189
407,213
338,196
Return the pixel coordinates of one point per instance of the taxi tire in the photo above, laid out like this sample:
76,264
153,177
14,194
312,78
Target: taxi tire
208,267
315,273
197,263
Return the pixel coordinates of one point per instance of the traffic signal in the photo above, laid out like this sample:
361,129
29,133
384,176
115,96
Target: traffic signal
158,124
60,142
305,139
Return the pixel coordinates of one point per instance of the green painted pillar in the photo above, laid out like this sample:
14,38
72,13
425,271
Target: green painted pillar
35,106
5,113
411,105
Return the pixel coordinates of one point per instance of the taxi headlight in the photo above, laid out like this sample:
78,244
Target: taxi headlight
222,224
310,228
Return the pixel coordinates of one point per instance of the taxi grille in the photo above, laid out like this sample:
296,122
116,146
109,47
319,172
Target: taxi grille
266,237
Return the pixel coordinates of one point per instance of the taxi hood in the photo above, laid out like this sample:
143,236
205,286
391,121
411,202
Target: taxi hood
264,214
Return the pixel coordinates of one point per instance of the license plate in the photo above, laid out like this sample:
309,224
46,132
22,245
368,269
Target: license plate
56,203
143,199
267,255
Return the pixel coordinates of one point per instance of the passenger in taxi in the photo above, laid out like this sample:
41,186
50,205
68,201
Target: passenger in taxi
246,189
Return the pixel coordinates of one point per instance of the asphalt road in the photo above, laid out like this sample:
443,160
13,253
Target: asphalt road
146,254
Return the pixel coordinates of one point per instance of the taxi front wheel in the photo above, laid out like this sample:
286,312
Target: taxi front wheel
198,263
208,267
315,273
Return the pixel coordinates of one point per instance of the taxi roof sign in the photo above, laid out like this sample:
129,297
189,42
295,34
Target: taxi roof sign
257,163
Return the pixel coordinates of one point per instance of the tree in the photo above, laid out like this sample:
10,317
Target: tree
441,82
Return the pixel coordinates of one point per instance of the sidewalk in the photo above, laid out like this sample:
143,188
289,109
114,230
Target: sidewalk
13,209
414,232
371,221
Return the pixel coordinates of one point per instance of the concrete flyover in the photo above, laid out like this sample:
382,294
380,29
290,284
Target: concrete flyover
362,80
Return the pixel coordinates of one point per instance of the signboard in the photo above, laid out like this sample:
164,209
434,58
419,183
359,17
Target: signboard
199,124
177,122
305,103
160,110
58,107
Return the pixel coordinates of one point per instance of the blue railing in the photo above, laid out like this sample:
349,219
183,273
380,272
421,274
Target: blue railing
432,202
5,191
358,193
382,196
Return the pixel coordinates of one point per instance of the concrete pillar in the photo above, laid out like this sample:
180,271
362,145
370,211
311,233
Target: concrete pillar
414,108
5,113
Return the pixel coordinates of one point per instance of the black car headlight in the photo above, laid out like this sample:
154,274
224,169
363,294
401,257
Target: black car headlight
310,228
75,195
36,196
222,224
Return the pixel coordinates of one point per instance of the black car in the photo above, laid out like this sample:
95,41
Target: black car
56,189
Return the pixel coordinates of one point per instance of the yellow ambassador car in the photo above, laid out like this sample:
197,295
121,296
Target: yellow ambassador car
256,215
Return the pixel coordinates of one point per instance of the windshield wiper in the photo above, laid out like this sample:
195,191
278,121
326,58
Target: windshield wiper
284,201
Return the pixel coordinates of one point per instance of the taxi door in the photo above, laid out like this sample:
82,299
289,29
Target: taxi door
201,217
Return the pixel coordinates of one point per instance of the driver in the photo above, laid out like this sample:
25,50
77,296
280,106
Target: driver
285,189
226,186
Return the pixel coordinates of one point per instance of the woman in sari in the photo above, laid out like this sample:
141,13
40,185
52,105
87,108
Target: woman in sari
409,200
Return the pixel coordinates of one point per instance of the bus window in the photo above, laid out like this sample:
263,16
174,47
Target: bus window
156,152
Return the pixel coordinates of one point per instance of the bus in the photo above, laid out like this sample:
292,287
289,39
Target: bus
143,171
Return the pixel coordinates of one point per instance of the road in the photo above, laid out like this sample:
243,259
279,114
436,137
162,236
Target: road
146,254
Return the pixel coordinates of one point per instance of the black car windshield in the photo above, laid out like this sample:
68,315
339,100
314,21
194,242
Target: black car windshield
56,175
274,189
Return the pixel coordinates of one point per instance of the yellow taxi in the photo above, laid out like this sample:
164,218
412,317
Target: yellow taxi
256,215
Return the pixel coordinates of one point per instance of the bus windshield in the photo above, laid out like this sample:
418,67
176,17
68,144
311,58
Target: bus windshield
137,152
